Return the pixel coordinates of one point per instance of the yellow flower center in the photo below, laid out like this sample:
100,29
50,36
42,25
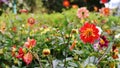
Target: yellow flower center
102,41
88,32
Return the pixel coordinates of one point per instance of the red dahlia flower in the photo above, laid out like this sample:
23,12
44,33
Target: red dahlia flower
89,33
20,53
30,43
27,58
31,21
103,41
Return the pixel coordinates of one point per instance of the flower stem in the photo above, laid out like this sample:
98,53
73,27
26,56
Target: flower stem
39,60
107,50
50,61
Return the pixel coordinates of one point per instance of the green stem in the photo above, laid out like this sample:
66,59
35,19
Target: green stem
38,59
65,49
50,61
107,50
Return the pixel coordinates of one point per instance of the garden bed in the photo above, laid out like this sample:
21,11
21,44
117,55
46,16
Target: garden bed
59,40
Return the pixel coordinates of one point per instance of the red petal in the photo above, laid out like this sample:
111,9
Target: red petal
27,58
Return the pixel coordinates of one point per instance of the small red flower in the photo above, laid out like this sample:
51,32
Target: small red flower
23,11
20,53
104,1
27,58
31,21
14,29
30,43
89,33
66,3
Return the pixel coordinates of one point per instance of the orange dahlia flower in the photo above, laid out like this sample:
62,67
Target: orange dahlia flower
66,3
105,11
89,33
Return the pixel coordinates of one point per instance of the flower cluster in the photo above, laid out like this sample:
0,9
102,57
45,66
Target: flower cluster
91,40
26,56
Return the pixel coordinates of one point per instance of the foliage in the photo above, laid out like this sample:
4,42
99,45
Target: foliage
57,40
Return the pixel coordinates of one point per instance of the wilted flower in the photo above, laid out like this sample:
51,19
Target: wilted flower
14,29
105,11
89,33
46,52
95,8
103,41
66,3
74,6
31,21
30,43
73,45
109,31
82,13
27,58
2,28
115,52
13,50
74,31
